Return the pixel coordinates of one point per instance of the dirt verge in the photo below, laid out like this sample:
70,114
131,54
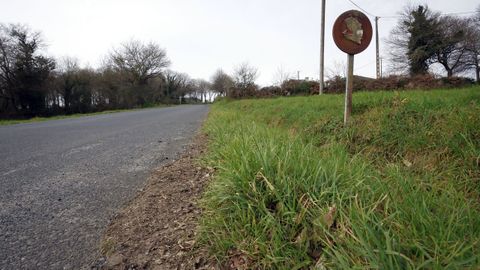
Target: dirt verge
157,229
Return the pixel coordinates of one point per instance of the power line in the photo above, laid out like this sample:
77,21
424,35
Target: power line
372,15
364,66
359,7
399,16
460,13
390,17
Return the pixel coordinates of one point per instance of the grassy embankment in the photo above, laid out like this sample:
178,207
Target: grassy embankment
398,189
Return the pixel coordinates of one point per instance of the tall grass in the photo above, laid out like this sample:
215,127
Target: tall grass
397,189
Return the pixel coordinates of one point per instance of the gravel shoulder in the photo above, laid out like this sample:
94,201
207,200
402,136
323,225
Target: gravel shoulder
157,229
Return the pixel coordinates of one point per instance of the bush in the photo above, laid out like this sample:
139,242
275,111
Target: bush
300,87
336,85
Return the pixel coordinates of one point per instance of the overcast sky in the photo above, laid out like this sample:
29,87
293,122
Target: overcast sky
201,36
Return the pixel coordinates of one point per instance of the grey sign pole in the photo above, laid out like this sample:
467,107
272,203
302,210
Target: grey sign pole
352,32
377,58
348,89
322,50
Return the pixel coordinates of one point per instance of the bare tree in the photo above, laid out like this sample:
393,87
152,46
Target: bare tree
139,61
211,95
281,76
111,87
338,70
7,60
451,49
68,68
221,82
203,87
245,76
177,85
67,64
75,86
472,45
397,44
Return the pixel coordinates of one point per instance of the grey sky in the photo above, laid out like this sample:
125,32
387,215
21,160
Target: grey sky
201,36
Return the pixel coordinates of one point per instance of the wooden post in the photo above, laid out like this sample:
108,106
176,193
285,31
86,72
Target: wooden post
348,90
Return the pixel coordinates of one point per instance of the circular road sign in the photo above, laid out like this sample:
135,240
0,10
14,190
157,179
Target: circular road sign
352,32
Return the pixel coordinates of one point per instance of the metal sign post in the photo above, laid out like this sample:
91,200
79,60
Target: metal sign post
349,89
352,32
322,50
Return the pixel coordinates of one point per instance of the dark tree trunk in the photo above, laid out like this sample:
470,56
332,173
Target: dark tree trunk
449,73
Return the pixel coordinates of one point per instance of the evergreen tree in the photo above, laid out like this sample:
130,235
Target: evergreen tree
422,26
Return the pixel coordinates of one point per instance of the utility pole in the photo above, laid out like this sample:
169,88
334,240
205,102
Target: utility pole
379,73
322,49
381,68
298,75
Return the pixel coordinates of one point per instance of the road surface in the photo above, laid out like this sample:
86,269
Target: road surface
62,180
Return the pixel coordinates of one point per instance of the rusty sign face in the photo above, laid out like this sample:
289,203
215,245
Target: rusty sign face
352,32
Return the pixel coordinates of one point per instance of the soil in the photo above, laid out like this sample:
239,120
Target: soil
157,229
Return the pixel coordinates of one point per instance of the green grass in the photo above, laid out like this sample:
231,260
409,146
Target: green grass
4,122
398,189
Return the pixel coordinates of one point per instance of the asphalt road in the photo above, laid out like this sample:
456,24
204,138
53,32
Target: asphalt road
62,180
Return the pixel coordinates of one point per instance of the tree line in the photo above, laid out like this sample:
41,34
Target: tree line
137,74
423,38
134,74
